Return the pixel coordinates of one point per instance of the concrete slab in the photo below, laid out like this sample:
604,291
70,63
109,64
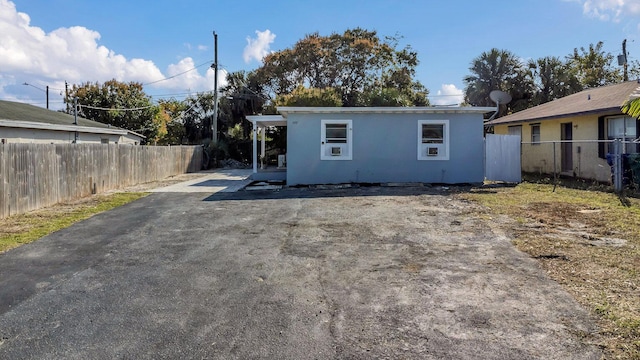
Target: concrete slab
223,180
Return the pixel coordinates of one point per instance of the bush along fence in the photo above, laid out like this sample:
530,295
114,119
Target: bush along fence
616,162
38,175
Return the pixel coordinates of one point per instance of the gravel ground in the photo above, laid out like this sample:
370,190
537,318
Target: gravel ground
361,273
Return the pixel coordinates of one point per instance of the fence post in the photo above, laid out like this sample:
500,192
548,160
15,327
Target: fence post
555,176
617,165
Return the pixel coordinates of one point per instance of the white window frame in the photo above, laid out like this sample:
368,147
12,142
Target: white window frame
442,149
346,149
534,140
627,137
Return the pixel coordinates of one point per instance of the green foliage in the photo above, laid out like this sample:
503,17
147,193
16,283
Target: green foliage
197,118
302,96
632,107
40,223
170,128
111,103
593,66
553,79
236,132
540,80
499,70
353,64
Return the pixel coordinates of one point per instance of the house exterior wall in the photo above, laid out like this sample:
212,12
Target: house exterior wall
41,136
539,158
384,149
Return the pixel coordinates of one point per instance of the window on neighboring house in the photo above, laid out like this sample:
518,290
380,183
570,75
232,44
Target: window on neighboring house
336,141
433,140
624,128
535,133
104,141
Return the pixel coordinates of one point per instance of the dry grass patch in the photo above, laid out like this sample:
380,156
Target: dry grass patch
25,228
588,241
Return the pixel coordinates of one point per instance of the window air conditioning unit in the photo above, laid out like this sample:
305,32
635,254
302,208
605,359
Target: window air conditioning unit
336,151
432,151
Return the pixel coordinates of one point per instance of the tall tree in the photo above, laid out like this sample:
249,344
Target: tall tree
354,64
593,66
499,70
170,127
553,79
301,96
124,105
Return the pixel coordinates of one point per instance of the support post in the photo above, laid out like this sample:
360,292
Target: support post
262,145
255,146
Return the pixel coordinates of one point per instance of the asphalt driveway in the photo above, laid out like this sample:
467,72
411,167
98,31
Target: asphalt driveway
363,273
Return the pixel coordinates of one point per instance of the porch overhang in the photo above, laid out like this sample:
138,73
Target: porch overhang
260,123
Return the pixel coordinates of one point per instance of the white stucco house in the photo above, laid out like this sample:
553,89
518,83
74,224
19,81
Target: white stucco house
23,123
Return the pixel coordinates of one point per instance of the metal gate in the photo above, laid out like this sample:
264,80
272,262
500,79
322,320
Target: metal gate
502,158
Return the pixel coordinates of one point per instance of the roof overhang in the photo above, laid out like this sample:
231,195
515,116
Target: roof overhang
281,120
285,111
599,112
267,120
57,127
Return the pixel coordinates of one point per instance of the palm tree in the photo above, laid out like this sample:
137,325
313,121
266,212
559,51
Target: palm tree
498,70
554,79
632,107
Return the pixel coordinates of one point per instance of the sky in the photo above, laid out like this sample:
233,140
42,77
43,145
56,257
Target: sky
168,45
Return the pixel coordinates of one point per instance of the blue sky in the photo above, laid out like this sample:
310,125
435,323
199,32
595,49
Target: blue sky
45,42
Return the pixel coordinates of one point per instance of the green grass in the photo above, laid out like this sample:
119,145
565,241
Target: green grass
25,228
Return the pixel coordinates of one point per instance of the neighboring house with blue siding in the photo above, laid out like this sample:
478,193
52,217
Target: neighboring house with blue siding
377,145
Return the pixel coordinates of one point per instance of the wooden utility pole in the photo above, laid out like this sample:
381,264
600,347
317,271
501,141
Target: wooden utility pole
66,95
214,122
624,66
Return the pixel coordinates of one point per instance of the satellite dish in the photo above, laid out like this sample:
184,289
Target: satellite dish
500,97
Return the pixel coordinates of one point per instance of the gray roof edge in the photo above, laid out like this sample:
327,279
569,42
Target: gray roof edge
605,111
55,127
284,110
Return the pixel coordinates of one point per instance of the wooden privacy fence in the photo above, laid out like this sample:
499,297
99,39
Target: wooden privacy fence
37,175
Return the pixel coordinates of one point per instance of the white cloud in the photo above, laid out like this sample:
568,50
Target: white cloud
448,94
259,47
29,54
613,10
186,78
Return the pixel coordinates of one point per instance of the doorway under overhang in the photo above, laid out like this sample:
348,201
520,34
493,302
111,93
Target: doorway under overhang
260,124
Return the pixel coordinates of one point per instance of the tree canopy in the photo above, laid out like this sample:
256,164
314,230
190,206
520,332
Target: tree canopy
498,70
124,105
355,64
553,79
593,66
538,81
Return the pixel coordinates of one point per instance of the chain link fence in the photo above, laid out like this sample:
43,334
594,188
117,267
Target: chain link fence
615,163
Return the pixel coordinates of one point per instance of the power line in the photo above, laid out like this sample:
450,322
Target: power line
179,74
114,109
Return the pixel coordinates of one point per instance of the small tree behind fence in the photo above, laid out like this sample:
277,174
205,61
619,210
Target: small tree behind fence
37,175
615,162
